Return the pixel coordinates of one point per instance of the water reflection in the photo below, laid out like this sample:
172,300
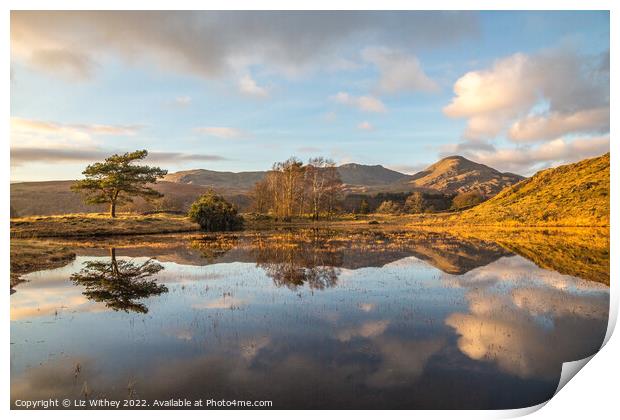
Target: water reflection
376,320
293,261
119,284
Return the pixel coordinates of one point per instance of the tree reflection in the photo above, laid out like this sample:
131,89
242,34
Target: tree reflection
119,284
294,260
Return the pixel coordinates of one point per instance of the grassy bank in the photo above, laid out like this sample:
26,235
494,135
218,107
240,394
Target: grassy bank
98,225
93,224
28,256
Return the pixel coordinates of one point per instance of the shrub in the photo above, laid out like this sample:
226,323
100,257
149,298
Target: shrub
419,202
364,207
467,199
213,213
389,207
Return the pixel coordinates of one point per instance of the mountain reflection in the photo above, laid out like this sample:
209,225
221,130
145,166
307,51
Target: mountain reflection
404,319
314,257
119,283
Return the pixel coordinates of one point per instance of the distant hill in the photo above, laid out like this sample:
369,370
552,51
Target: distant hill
238,181
56,197
455,174
352,174
449,175
569,195
356,174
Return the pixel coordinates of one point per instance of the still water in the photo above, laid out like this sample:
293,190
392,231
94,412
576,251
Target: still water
312,319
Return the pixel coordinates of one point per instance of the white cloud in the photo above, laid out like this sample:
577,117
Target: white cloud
364,103
572,90
24,124
526,160
25,155
49,134
553,125
220,303
366,126
248,86
221,132
330,116
213,44
183,100
367,330
399,72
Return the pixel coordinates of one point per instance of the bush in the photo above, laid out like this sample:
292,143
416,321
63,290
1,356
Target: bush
467,199
389,207
419,202
364,207
213,213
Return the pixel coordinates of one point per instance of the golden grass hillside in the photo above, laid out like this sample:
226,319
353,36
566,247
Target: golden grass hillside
93,224
580,251
569,195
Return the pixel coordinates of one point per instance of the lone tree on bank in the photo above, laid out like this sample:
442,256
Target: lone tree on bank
116,180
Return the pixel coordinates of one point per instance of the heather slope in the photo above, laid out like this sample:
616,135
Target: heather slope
570,195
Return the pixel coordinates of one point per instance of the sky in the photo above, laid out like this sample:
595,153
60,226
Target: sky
238,91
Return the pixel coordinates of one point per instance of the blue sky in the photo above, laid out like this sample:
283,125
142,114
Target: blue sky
236,91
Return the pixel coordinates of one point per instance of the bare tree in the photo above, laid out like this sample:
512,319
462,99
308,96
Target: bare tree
261,196
321,178
292,176
291,188
333,188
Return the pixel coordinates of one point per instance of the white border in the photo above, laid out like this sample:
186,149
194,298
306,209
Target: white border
592,395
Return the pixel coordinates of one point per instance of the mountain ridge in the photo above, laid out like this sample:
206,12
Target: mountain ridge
445,176
450,175
456,174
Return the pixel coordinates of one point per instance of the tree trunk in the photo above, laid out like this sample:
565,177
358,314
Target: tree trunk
113,209
114,263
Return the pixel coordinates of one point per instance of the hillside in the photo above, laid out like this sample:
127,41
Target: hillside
455,174
56,197
238,181
449,175
569,195
352,174
369,175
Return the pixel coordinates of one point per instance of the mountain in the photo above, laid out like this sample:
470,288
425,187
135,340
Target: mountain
352,174
455,174
367,175
239,181
570,195
449,175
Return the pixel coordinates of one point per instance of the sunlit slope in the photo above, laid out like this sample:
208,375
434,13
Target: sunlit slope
455,174
569,195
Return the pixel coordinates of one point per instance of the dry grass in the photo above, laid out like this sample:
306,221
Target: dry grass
28,256
577,251
581,252
99,224
569,195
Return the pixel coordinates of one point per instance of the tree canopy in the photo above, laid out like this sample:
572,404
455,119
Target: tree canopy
292,188
117,180
120,284
389,207
212,212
